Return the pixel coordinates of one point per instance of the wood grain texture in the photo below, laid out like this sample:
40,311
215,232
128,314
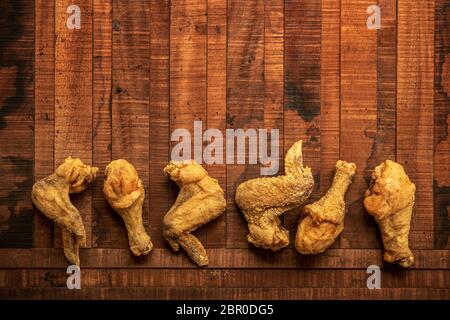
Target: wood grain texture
16,123
218,258
158,189
188,69
73,99
137,70
302,105
216,112
102,115
130,99
415,75
224,278
358,116
44,110
441,182
245,99
330,104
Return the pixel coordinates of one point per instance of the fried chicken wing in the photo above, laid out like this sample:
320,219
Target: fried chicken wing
125,193
262,200
323,220
200,200
390,200
51,196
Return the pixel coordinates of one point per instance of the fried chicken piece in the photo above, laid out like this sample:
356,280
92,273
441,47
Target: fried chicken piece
51,196
125,193
390,200
323,220
201,199
262,200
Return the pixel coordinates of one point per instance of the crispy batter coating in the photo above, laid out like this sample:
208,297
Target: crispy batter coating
390,200
51,196
323,220
262,200
125,193
201,199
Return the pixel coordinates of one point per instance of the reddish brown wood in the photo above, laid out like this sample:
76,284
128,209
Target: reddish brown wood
415,74
217,103
130,99
102,116
245,99
441,182
158,189
218,258
44,110
302,105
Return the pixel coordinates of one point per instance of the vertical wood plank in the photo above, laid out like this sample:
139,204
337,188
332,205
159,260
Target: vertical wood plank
217,103
329,94
415,76
302,89
274,75
44,110
442,126
358,116
130,98
188,89
245,99
102,117
384,134
73,98
159,117
16,123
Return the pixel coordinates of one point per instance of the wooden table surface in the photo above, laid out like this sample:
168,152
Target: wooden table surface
137,70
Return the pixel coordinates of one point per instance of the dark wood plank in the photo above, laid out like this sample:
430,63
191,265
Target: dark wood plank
329,94
358,117
415,75
130,100
16,123
102,117
44,110
302,89
158,189
225,293
225,278
188,69
219,258
274,74
245,99
217,103
73,99
441,184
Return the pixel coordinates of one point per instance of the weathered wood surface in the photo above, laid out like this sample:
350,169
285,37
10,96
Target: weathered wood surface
137,70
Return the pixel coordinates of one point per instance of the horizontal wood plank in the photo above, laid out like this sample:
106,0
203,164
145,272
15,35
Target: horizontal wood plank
219,258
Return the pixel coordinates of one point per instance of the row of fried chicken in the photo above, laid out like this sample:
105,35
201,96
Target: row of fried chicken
390,199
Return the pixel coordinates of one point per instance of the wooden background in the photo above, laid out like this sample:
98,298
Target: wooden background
137,70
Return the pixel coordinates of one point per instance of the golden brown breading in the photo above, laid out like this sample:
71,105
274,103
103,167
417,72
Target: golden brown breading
390,200
262,200
125,193
323,220
51,196
201,199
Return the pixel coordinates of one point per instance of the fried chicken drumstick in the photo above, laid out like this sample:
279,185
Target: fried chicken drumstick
323,220
390,200
125,193
201,199
51,196
262,200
